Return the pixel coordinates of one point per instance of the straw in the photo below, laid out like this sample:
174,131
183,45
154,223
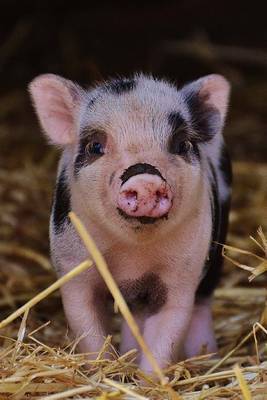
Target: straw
56,285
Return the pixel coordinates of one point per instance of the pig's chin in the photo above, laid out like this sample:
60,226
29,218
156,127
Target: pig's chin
142,220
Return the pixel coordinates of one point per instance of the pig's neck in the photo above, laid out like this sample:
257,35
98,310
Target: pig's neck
179,245
182,249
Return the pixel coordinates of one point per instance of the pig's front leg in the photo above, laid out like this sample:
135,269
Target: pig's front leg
86,314
128,341
200,337
165,331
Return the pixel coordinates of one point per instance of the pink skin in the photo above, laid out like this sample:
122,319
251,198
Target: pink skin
200,337
145,195
175,250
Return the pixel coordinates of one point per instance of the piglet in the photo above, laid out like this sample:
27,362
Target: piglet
145,167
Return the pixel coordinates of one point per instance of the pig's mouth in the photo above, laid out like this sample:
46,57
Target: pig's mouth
143,220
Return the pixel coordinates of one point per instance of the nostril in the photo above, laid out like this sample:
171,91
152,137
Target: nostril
130,195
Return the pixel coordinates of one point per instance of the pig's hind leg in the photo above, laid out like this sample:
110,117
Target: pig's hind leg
200,338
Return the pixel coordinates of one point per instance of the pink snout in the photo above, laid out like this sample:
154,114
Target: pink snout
145,195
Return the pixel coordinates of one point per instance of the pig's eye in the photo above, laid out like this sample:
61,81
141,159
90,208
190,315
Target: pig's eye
185,147
180,147
96,148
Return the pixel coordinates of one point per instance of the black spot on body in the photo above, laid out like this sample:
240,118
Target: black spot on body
140,168
91,102
120,86
145,294
220,215
226,166
61,203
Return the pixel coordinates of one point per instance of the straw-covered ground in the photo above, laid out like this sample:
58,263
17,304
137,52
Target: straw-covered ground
37,358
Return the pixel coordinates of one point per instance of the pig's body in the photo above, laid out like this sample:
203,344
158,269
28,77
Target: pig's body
144,167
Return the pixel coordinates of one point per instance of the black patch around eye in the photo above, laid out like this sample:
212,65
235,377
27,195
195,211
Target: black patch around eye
180,142
176,121
120,86
87,154
214,264
205,119
95,148
186,149
61,203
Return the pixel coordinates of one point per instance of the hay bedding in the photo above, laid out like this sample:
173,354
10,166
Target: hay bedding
39,361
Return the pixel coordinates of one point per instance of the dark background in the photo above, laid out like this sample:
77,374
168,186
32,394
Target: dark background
93,40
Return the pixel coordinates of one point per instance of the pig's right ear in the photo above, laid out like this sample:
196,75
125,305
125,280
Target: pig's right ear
57,104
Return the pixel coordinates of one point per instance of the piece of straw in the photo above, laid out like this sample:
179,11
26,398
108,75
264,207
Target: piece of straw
111,284
68,393
124,388
40,296
242,383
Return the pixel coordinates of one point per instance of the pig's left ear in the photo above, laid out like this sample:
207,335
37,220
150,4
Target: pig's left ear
207,99
57,104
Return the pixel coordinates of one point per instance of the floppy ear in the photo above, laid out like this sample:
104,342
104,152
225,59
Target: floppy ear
207,99
57,103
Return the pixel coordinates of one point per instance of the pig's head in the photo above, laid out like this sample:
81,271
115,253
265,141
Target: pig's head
135,150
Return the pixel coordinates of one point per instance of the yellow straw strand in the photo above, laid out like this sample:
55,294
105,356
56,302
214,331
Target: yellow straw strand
40,296
242,383
124,388
68,393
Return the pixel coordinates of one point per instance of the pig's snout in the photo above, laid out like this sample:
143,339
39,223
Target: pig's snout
145,195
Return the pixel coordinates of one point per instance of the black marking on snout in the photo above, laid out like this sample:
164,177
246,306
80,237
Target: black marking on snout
181,142
143,220
138,169
120,86
146,294
61,203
